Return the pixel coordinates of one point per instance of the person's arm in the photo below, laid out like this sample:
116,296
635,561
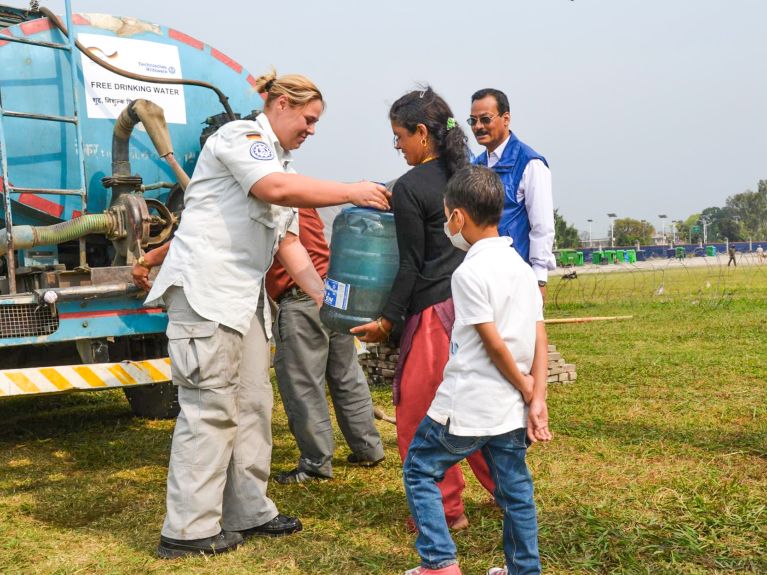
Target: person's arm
411,244
153,258
538,412
297,191
297,262
248,155
502,359
539,203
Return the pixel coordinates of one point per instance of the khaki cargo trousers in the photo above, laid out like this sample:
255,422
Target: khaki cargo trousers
222,444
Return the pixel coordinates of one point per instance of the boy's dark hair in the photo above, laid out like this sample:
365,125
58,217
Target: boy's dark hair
500,98
479,191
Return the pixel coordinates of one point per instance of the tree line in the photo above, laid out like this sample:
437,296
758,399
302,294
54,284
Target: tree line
743,217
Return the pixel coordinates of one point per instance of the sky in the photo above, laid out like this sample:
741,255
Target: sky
641,107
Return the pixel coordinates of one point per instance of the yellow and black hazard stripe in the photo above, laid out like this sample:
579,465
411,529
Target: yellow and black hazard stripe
41,380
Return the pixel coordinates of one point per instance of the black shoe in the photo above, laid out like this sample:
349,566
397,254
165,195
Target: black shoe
176,548
280,525
298,476
354,459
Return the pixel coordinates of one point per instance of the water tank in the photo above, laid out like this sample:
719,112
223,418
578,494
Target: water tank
364,260
37,80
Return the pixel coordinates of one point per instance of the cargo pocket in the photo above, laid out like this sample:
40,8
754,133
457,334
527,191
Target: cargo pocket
202,355
262,212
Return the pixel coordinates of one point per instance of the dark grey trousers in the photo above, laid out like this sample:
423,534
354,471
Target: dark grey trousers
308,355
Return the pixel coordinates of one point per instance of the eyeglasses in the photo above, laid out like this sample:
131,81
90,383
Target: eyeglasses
484,120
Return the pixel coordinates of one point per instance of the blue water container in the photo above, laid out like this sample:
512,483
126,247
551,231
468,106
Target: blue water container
364,261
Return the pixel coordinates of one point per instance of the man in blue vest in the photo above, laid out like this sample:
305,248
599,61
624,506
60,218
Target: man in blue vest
528,210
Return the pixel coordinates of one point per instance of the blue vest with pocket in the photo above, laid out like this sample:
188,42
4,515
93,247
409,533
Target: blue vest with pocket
514,221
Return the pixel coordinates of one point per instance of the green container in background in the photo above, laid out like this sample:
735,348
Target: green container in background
566,257
631,256
620,256
710,250
610,256
596,257
681,253
578,258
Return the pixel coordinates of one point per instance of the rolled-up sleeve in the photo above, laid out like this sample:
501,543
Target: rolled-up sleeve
248,154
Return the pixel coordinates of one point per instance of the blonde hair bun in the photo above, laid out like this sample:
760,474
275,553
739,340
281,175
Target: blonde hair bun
299,89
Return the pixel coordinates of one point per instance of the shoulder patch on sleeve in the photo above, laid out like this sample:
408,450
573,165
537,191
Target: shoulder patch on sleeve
261,151
254,136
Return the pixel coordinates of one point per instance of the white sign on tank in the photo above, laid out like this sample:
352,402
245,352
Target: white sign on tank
107,94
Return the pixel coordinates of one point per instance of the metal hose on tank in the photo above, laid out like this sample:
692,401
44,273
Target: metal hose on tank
31,236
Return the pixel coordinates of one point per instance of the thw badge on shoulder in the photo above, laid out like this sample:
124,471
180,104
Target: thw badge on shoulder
261,151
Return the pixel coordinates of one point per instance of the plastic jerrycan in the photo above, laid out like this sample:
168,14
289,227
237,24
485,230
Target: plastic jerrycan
364,260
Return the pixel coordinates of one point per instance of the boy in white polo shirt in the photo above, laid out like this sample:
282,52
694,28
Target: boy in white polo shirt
493,394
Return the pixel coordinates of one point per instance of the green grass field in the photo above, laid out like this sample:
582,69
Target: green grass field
658,465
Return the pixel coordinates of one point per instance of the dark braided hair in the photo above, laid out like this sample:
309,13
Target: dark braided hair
428,108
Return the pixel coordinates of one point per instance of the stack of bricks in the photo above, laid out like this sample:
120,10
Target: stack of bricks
559,371
379,364
380,361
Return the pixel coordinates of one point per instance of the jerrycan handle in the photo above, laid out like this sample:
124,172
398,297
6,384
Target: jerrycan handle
364,223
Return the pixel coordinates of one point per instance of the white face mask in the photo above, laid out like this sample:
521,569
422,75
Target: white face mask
457,239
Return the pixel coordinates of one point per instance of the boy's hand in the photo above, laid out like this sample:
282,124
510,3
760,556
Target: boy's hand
538,421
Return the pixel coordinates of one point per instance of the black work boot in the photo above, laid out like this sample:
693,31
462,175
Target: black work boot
280,525
298,476
176,548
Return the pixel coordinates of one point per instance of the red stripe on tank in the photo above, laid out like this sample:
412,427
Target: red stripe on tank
109,312
36,26
7,33
226,60
76,213
181,37
251,80
80,20
42,204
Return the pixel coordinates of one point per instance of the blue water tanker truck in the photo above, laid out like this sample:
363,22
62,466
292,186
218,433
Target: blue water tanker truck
101,121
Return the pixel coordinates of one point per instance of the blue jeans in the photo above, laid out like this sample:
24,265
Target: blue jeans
432,451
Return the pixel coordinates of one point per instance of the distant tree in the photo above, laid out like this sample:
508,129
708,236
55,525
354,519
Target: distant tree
689,230
565,235
750,209
722,223
628,231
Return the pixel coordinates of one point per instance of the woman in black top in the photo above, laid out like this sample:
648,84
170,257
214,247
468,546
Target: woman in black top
420,306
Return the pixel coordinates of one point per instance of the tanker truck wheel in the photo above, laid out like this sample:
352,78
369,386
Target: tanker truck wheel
157,401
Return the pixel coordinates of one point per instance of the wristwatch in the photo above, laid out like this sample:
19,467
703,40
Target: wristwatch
142,262
541,283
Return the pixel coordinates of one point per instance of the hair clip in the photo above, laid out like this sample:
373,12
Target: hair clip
451,123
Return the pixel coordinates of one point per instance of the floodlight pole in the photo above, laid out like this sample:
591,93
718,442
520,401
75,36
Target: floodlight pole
612,217
591,244
663,228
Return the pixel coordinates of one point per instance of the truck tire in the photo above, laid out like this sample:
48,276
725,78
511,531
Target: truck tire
157,401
